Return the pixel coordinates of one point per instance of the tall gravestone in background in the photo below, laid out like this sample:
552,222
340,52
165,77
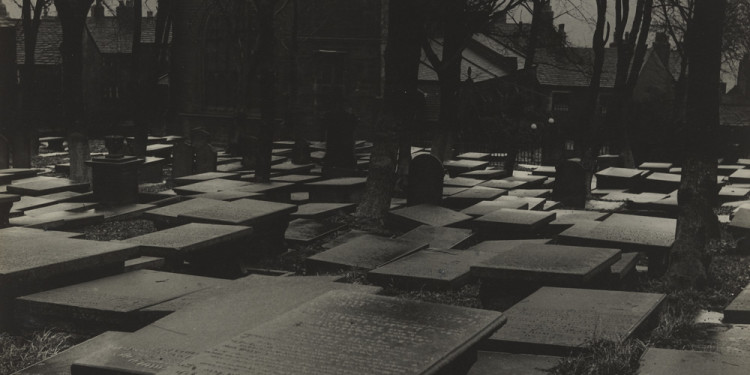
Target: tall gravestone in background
425,183
570,184
340,160
182,160
196,157
115,176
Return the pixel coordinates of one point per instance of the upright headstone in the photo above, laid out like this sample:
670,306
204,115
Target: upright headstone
425,180
205,159
340,160
182,160
115,177
570,184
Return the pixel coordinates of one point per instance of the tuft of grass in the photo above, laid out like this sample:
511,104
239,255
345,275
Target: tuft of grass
468,296
603,357
19,352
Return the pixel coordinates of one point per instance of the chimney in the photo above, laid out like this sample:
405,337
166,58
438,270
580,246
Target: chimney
547,15
97,10
561,33
3,11
661,48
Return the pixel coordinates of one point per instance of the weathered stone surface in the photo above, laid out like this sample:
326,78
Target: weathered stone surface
474,156
321,210
186,180
571,217
48,186
438,237
456,167
491,363
58,220
60,363
657,361
288,167
461,182
296,178
558,320
452,190
504,184
71,206
485,174
228,195
473,196
338,190
209,186
425,180
110,303
188,239
17,233
115,180
662,182
533,193
167,215
615,178
554,265
656,167
535,204
19,173
738,310
629,232
570,183
532,182
31,260
308,230
414,337
486,207
436,216
731,193
741,176
365,252
344,238
247,304
507,221
239,212
723,338
144,263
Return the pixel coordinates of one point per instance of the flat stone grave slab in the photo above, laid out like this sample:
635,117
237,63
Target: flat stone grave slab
657,361
509,223
551,205
472,196
504,184
5,179
551,265
560,320
61,196
544,170
279,191
532,182
738,311
29,262
48,187
744,162
452,190
438,237
322,210
297,178
533,193
239,212
461,182
655,167
19,173
456,167
662,182
602,192
209,186
58,220
485,174
167,215
485,207
365,252
728,169
492,363
110,303
344,238
741,176
724,338
14,233
337,190
414,337
245,304
28,202
571,217
159,150
534,203
144,263
60,363
187,180
190,240
628,232
605,206
229,195
287,167
624,267
638,198
483,156
69,206
731,193
230,167
408,218
618,178
303,231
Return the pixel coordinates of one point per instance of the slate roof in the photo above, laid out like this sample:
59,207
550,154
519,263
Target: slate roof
110,37
572,66
484,55
49,40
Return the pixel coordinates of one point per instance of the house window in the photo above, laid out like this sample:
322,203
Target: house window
560,102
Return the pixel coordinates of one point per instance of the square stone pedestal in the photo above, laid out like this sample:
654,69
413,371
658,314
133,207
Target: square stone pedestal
115,180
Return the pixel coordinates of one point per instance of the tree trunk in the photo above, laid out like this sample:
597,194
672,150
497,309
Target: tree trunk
697,224
267,91
72,14
399,102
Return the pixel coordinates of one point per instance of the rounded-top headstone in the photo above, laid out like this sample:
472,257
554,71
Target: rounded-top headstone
570,184
425,180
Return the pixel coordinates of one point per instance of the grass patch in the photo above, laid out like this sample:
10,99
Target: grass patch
19,352
119,230
603,357
468,296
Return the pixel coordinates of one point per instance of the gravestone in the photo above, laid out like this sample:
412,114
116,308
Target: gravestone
229,195
321,210
339,160
210,186
288,167
58,220
511,224
472,196
656,167
296,178
456,167
200,177
425,182
731,193
568,218
246,304
452,190
205,158
366,252
544,170
438,237
413,337
486,207
337,190
67,206
504,184
408,218
205,242
115,178
304,231
485,174
109,303
59,364
461,182
549,265
570,184
166,216
474,156
183,159
662,182
531,193
491,363
556,321
152,170
47,186
738,311
656,361
532,182
144,263
618,178
6,203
